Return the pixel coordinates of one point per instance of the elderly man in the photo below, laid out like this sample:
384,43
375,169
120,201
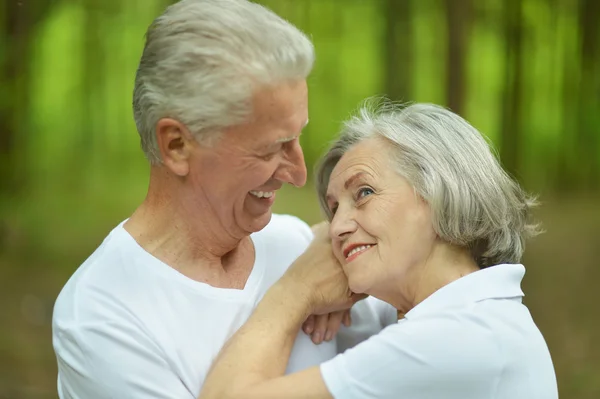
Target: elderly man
220,101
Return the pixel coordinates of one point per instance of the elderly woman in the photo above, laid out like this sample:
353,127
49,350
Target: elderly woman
423,217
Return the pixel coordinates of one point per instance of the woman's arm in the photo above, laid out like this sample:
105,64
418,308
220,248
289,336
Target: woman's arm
252,363
369,317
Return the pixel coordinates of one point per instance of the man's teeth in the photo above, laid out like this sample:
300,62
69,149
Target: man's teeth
358,249
262,194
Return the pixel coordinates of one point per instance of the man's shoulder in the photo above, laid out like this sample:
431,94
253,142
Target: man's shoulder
99,280
288,227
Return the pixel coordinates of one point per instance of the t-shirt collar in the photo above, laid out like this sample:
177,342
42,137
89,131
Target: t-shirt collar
494,282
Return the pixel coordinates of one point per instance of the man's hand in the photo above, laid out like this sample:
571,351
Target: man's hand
324,327
318,275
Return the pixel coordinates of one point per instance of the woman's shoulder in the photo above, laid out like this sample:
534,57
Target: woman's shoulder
443,357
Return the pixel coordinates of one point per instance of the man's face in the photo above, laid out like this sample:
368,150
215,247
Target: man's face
239,174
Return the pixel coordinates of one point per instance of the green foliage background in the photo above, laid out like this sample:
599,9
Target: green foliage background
526,73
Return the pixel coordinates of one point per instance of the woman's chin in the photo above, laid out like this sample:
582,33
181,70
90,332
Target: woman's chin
358,285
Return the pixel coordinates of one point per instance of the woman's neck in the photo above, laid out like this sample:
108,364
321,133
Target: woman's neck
445,264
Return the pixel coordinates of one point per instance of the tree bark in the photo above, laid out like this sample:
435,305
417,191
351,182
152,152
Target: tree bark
511,107
588,132
13,78
21,17
457,23
93,79
398,71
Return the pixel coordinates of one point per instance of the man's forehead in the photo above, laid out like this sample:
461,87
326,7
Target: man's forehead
286,139
292,137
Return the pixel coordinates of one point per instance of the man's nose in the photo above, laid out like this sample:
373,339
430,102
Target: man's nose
293,170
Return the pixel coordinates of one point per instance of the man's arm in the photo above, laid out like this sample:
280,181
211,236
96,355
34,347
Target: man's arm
112,360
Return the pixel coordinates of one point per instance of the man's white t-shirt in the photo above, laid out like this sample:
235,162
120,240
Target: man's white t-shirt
471,339
127,325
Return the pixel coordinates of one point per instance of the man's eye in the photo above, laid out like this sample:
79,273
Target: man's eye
364,191
269,156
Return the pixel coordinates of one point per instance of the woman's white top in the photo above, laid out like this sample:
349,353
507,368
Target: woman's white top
472,339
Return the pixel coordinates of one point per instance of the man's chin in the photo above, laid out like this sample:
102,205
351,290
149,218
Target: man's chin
257,223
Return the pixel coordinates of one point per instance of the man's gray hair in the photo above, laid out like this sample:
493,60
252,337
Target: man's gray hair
204,59
474,202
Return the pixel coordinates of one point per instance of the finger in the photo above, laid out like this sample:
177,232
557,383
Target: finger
347,320
321,231
355,298
320,328
333,325
309,325
317,227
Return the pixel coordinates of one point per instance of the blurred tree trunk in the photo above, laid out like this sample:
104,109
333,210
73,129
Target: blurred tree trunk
511,104
567,172
21,17
16,34
588,140
93,79
398,50
458,18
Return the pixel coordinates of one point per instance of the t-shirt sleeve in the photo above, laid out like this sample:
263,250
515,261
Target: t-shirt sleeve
369,317
110,360
419,360
303,229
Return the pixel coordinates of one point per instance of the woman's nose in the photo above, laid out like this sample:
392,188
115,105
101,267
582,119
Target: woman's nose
342,224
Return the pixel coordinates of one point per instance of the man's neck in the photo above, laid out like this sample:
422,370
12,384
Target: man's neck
196,245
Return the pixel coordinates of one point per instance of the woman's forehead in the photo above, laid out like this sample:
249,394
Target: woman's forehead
368,155
366,159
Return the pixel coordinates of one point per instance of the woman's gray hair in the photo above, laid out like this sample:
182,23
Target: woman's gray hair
204,59
474,202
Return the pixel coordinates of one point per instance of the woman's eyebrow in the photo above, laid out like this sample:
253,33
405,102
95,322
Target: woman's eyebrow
352,179
347,183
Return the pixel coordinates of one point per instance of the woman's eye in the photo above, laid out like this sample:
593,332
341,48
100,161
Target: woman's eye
333,209
364,191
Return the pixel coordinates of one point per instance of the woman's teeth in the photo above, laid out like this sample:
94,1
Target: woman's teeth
358,249
262,194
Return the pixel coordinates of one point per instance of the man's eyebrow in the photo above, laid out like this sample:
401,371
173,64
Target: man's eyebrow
273,144
291,138
285,139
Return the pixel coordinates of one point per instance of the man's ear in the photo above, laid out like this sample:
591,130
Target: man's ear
175,143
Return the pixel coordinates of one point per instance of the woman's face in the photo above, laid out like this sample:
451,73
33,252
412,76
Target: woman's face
381,229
